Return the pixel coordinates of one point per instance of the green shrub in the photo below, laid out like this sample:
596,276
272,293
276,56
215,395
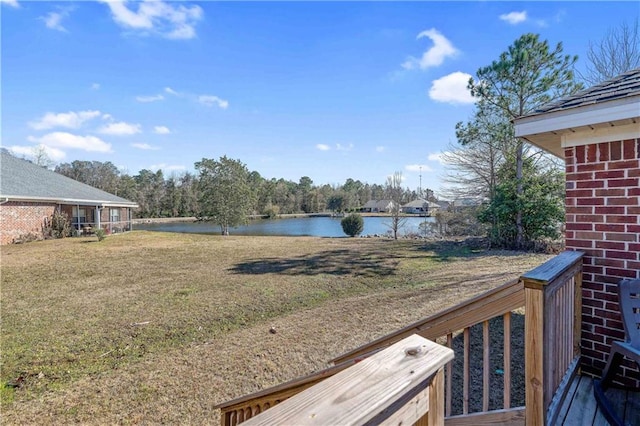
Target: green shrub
272,211
58,226
101,234
352,225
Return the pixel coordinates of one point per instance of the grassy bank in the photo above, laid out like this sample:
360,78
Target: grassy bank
159,327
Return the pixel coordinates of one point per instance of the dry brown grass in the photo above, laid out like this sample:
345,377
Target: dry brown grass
158,327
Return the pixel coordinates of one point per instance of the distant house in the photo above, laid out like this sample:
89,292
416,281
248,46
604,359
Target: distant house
30,194
419,206
443,205
465,203
378,206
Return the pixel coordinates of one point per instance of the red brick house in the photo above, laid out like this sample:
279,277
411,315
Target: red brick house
597,132
30,194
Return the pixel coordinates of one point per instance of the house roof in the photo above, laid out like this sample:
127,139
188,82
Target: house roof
592,112
21,180
420,202
378,204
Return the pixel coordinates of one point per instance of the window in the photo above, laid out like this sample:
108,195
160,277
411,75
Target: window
79,215
114,215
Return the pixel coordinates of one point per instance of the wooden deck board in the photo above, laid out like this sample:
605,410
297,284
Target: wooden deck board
571,393
632,408
580,407
583,407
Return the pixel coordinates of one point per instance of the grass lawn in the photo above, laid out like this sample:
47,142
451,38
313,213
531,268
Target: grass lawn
158,327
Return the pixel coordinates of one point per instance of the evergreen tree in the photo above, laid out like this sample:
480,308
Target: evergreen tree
526,76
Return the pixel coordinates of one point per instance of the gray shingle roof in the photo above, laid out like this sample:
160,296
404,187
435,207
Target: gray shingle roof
22,180
622,86
420,202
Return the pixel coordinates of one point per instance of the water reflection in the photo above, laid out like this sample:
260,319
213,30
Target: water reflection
307,226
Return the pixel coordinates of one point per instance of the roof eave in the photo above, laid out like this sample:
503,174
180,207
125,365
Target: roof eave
70,201
546,130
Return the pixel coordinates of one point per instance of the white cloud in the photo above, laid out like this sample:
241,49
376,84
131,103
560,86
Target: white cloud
68,140
168,20
379,148
418,168
12,3
210,100
323,147
70,120
166,167
53,20
436,157
170,91
145,146
161,130
559,17
514,18
340,147
54,154
441,49
452,89
153,98
95,86
120,128
206,100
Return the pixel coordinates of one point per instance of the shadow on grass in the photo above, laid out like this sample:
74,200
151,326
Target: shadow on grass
335,262
377,263
448,250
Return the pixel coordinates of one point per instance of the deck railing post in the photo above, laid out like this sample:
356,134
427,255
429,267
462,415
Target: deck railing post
534,353
552,295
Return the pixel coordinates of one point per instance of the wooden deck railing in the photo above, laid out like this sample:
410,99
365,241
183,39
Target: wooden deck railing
451,323
458,322
550,295
553,294
402,384
244,408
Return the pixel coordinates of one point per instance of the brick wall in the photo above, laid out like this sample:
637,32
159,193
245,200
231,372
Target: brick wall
602,219
18,219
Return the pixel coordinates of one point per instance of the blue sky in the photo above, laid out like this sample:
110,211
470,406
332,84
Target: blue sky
329,90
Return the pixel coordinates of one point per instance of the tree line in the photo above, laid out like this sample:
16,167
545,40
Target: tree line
189,194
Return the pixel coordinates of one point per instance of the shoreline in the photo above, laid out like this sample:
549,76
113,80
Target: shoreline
254,217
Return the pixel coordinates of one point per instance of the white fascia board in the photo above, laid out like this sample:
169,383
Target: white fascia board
603,112
607,134
68,201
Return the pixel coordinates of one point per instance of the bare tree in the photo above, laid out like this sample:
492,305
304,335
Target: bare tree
394,192
616,53
41,158
484,143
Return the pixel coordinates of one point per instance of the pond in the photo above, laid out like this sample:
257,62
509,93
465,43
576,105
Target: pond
306,226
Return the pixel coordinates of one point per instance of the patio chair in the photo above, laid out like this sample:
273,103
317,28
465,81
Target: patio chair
629,300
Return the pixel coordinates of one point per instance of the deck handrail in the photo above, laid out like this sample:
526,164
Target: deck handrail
255,403
401,384
553,301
